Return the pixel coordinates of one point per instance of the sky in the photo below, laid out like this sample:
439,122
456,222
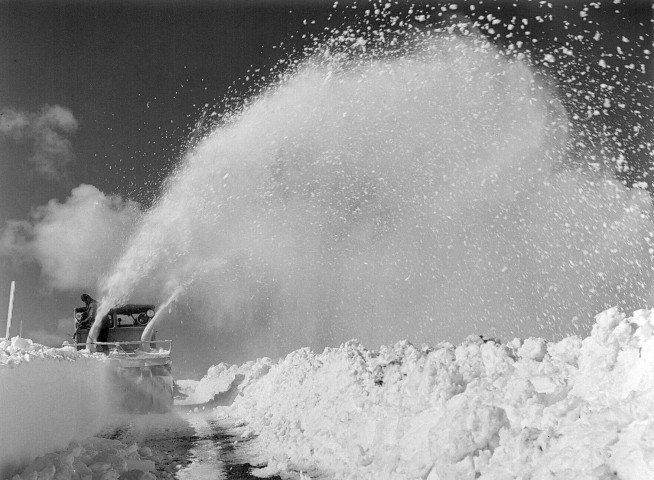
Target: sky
99,101
108,94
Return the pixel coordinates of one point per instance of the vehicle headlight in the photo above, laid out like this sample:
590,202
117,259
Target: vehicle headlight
150,313
78,316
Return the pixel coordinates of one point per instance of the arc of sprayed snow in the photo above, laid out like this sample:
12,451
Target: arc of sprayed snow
146,336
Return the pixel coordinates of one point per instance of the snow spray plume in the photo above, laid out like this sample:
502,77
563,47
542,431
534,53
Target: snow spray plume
160,313
421,195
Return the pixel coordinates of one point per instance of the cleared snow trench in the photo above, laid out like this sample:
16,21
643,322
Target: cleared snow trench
181,446
205,457
213,454
577,408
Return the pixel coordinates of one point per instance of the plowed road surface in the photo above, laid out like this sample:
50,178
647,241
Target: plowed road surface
188,446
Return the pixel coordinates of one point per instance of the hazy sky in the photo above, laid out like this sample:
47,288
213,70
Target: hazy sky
106,94
98,100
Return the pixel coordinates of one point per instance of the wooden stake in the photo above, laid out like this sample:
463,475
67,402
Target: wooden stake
10,311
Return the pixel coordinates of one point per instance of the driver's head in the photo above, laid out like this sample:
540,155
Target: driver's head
86,298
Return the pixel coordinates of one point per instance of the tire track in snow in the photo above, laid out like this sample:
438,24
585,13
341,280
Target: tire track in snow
187,448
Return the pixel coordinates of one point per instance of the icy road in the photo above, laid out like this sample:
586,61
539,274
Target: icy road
185,446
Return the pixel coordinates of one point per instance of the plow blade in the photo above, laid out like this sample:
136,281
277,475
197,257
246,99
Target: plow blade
143,381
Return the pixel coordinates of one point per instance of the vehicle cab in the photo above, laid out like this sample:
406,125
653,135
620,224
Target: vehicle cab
125,324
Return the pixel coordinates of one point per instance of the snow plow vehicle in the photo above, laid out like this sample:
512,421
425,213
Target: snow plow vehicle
142,370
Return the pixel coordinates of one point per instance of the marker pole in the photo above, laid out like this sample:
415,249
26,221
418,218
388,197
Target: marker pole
10,310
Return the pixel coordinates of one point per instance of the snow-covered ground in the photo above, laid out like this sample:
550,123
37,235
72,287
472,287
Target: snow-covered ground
48,397
577,408
580,409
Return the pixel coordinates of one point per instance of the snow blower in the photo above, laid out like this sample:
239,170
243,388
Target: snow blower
141,370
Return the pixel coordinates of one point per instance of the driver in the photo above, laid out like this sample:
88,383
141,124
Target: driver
91,307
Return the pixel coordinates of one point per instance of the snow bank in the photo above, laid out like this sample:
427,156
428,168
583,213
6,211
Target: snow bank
221,379
94,458
48,397
579,409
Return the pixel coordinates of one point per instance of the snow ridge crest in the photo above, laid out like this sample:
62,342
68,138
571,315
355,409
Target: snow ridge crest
577,408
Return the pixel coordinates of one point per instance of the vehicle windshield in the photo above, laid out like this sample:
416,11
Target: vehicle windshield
129,320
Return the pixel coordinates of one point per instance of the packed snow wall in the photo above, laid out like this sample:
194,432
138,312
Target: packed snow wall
49,396
577,408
